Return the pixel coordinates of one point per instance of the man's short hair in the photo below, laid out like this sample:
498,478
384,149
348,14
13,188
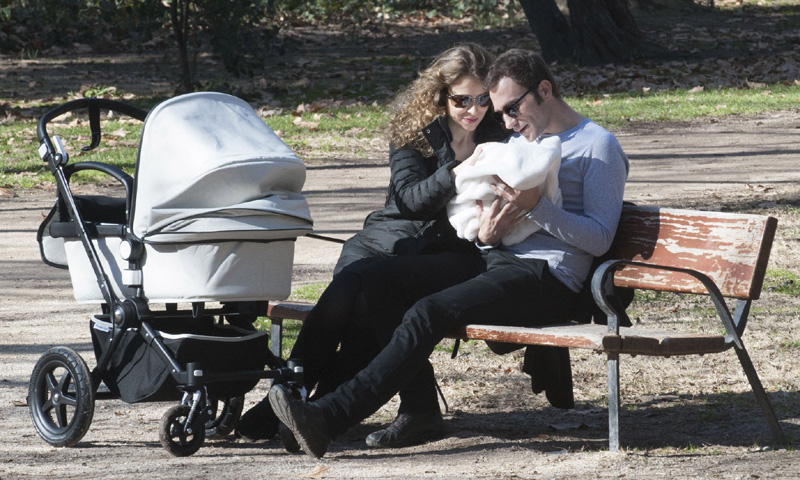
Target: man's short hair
523,67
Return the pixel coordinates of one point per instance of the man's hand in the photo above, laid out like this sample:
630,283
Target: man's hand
498,219
524,200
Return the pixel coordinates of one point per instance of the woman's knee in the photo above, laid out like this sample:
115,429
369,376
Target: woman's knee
432,316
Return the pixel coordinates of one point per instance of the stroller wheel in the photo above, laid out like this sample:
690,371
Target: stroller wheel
60,397
179,438
224,415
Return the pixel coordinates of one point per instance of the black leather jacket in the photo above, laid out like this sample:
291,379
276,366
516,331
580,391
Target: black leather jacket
414,218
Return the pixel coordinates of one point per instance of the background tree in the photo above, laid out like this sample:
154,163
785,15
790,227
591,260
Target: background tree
597,32
179,15
238,32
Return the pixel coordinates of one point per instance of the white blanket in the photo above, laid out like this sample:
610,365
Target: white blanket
522,165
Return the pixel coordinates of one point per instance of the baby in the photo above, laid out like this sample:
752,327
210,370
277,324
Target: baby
522,165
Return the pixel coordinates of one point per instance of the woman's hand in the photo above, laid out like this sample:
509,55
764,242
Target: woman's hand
471,160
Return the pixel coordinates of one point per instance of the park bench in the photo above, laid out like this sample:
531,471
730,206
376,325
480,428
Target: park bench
722,255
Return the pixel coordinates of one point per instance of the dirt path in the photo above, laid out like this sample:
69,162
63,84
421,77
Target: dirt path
497,428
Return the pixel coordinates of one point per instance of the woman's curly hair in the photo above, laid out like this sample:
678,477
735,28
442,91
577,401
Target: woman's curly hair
425,99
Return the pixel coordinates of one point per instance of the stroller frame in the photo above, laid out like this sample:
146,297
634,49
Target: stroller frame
62,390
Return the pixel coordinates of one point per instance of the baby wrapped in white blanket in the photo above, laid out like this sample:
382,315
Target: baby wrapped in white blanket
522,165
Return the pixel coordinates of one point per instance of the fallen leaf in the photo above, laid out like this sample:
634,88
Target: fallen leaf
318,472
303,82
305,124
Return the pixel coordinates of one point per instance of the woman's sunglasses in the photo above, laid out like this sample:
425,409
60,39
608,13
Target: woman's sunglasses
512,109
465,101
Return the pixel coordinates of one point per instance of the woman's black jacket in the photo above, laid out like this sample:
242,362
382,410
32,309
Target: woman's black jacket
414,218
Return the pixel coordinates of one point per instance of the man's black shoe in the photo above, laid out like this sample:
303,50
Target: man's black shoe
258,423
408,429
305,420
287,439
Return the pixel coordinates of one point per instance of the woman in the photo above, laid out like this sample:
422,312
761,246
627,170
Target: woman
438,122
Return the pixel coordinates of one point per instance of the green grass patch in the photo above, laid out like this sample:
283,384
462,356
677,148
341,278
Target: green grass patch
341,130
353,120
291,328
782,281
618,109
790,344
308,293
21,167
692,448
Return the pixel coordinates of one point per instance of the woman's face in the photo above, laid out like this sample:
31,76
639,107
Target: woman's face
466,118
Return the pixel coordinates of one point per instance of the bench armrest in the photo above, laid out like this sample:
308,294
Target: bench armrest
603,283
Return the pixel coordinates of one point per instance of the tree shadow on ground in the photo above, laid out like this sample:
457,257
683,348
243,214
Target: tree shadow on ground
683,423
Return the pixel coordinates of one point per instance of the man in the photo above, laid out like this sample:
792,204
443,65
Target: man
529,283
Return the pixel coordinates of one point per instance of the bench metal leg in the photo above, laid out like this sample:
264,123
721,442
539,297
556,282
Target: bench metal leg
613,402
761,395
276,336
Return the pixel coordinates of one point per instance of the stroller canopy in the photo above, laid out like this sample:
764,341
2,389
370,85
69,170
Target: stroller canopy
210,169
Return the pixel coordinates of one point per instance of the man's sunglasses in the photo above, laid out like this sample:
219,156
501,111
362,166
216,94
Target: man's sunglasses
512,109
465,101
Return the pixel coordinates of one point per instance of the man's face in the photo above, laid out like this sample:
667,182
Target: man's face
532,118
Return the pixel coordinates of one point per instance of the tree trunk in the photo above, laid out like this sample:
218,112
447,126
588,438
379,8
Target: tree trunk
598,31
622,16
179,14
551,29
604,31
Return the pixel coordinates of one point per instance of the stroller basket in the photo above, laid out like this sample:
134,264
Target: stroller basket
136,372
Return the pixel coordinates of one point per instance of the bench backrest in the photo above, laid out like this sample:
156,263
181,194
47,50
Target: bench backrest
732,249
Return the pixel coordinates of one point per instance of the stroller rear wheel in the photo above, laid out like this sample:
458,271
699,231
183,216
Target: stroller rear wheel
60,397
180,437
224,415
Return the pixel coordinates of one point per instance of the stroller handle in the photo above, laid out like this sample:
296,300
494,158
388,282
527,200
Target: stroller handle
50,154
110,170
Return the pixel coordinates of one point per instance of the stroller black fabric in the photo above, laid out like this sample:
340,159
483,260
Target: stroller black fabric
101,209
137,374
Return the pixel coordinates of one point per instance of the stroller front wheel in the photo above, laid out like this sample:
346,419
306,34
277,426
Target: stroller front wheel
224,415
60,397
177,435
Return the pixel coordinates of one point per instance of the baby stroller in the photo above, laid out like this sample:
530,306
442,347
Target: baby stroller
181,267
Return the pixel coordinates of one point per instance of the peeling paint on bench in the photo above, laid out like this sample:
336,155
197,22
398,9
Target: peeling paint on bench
726,247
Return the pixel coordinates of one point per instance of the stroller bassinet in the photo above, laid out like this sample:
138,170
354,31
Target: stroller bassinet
216,204
211,215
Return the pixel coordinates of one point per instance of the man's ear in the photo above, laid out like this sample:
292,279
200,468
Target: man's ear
545,89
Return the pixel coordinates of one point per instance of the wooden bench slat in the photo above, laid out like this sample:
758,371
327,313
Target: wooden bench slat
570,335
288,310
634,341
637,341
732,249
